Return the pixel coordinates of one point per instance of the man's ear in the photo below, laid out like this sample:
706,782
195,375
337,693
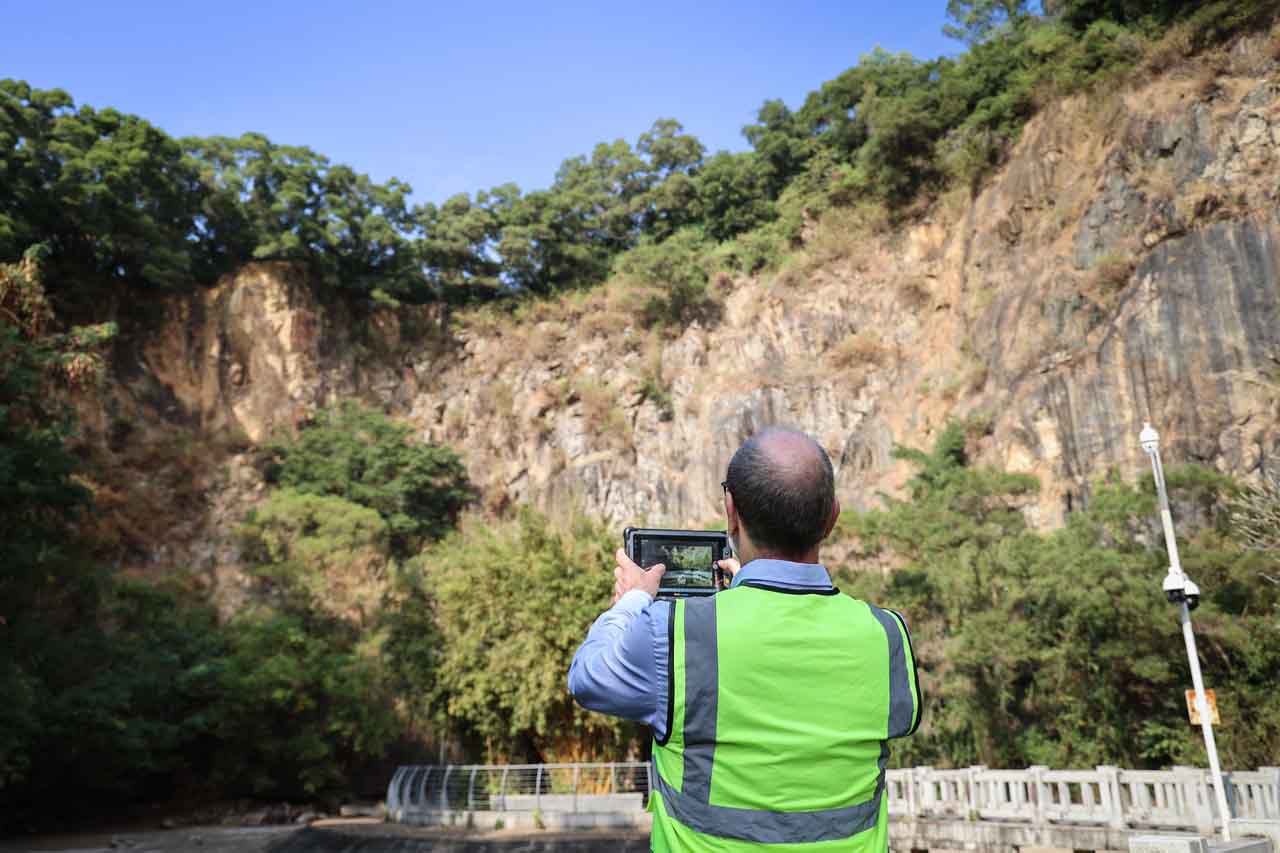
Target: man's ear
835,516
732,522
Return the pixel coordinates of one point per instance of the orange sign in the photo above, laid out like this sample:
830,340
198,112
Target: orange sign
1194,712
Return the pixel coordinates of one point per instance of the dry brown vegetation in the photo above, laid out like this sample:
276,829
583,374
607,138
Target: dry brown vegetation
860,349
147,485
1169,50
1111,273
846,234
602,412
913,293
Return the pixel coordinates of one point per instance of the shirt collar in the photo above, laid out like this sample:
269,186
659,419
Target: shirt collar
784,573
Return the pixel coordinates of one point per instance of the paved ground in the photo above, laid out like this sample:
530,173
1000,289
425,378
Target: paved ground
191,839
330,836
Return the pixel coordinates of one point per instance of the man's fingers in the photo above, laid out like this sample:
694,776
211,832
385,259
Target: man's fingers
730,565
658,570
625,562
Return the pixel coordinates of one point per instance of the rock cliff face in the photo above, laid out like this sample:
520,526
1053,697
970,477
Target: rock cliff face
1123,266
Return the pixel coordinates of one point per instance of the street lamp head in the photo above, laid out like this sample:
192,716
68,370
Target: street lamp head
1150,438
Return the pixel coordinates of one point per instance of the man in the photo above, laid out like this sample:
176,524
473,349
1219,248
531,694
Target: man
771,702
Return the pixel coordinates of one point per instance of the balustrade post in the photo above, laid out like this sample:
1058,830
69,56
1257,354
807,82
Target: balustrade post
1036,772
909,790
502,789
471,791
537,791
577,770
1270,794
924,778
973,799
1111,792
1196,793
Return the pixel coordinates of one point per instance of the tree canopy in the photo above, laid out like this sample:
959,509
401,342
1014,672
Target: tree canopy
360,455
1058,648
125,208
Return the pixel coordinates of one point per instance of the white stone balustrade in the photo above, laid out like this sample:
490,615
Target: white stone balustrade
1109,798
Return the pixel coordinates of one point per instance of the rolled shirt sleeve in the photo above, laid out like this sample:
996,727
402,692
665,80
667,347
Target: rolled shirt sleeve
621,668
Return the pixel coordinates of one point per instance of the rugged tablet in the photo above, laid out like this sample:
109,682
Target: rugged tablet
689,555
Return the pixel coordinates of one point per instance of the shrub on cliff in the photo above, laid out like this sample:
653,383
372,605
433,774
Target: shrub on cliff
360,455
673,270
318,553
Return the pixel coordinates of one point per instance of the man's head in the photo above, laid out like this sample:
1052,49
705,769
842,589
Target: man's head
780,496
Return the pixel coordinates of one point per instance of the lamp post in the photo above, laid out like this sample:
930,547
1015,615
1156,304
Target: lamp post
1180,590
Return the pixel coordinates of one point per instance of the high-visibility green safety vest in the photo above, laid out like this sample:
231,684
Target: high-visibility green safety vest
780,705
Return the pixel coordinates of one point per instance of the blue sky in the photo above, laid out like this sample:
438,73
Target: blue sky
452,97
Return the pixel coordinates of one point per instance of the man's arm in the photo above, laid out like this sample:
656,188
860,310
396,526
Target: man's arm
615,670
912,678
620,669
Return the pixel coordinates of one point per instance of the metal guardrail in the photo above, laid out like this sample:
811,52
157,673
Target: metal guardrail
1181,798
519,787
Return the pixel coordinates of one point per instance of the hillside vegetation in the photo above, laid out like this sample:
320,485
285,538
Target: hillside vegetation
384,614
128,211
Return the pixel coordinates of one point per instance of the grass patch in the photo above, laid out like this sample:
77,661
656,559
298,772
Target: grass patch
602,412
858,350
913,293
1110,274
653,385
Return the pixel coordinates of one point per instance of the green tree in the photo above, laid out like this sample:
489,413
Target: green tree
362,456
43,583
513,601
97,674
1057,648
299,701
674,269
975,21
320,553
733,194
780,139
266,201
458,246
111,196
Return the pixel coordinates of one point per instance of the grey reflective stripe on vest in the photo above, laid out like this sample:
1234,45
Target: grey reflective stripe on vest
765,827
902,701
701,693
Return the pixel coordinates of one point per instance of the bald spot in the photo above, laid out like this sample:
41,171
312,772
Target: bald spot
793,457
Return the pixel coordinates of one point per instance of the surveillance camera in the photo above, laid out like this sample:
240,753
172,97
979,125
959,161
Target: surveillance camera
1192,592
1174,587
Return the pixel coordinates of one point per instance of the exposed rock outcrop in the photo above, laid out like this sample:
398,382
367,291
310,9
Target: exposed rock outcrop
1123,266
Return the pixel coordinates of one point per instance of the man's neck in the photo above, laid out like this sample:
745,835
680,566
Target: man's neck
810,556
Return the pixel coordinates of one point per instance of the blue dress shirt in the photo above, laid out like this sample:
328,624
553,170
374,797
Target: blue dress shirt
621,668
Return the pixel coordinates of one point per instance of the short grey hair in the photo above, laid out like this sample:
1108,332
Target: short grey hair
785,506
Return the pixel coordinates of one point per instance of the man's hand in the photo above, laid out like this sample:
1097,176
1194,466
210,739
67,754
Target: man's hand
730,566
628,576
